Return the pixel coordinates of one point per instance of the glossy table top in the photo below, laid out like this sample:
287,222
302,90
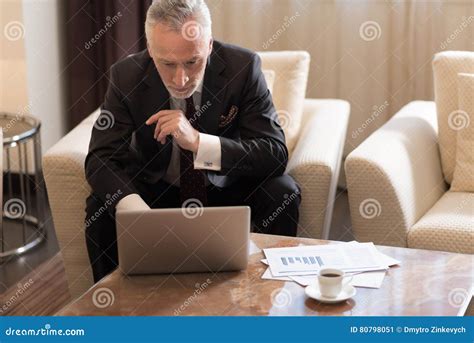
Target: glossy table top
427,283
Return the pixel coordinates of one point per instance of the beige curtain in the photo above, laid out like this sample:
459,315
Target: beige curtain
13,89
375,54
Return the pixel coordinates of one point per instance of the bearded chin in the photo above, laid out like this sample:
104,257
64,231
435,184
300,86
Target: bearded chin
182,95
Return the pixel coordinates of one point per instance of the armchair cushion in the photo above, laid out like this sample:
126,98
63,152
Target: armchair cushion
289,89
315,162
463,180
446,66
269,78
68,189
395,176
447,226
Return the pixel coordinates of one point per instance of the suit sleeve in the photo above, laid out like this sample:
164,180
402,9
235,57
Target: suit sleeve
261,150
109,147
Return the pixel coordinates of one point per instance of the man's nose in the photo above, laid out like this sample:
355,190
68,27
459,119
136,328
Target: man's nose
180,78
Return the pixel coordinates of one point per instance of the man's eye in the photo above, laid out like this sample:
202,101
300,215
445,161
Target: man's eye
191,63
169,64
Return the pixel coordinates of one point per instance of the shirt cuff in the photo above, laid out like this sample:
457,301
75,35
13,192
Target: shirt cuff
132,202
209,153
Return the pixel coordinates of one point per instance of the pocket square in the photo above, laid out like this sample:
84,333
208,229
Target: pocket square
225,120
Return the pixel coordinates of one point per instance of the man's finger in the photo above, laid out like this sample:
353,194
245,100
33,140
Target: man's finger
164,133
167,129
170,126
163,120
164,113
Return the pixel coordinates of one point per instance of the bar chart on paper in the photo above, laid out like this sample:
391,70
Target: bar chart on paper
307,260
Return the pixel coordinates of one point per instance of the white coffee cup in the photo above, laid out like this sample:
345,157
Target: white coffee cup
331,281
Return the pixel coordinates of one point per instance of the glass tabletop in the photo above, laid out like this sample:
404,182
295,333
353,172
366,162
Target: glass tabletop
18,127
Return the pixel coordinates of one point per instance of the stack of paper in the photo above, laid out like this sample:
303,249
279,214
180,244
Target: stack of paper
302,264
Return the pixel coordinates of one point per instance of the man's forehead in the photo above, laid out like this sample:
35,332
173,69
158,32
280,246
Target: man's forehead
172,46
177,58
178,52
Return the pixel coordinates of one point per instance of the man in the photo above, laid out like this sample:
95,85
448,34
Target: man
188,122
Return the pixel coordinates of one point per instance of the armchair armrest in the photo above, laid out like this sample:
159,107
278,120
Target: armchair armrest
395,176
63,167
315,162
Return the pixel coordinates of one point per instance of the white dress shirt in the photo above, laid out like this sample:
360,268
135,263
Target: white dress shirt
208,156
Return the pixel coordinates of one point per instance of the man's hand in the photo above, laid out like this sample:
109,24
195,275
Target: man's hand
174,122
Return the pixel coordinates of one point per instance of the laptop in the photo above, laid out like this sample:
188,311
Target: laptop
183,240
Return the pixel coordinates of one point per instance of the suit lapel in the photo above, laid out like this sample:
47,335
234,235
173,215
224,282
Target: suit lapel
155,98
213,95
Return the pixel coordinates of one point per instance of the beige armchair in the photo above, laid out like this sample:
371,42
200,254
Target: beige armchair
399,178
315,133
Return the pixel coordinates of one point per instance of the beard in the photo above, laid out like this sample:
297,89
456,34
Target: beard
182,95
189,91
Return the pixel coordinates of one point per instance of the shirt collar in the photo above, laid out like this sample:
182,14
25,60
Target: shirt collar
199,89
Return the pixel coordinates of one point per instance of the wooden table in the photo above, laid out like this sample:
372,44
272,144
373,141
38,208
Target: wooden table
427,283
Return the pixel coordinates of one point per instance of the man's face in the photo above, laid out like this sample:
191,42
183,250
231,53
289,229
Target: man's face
180,62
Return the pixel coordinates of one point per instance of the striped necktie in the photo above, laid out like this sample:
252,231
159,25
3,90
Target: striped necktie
192,181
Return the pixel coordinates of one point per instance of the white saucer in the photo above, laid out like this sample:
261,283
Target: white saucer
347,292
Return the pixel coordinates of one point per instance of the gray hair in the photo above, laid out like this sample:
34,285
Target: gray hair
175,14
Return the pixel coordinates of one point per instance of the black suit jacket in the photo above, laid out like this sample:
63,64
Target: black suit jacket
238,109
